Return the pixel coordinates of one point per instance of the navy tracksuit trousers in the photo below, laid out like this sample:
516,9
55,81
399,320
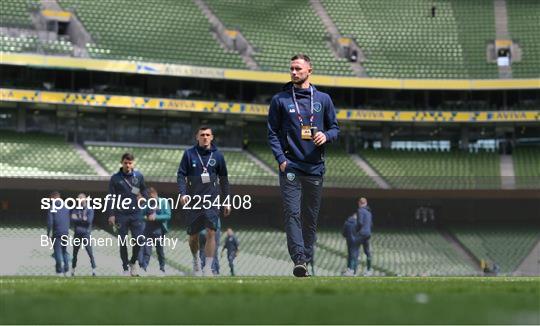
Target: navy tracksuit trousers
301,195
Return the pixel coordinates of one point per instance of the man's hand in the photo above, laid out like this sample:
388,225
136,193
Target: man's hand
319,139
111,220
226,211
183,200
282,166
152,217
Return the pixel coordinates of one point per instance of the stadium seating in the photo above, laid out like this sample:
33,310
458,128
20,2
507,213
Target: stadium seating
523,25
25,155
159,164
403,40
162,163
341,170
165,31
527,167
278,29
18,44
407,252
400,40
436,170
15,13
505,246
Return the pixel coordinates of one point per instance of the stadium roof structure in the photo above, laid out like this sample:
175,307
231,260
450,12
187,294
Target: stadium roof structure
136,67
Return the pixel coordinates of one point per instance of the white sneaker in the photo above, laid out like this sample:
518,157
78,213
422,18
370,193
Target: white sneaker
368,272
60,274
125,273
94,272
348,272
134,269
161,274
207,272
197,268
73,272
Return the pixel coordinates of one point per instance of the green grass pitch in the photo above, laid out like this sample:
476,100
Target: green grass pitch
269,300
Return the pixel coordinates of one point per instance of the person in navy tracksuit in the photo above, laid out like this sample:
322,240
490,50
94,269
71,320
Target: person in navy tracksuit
353,250
128,183
202,245
232,246
301,120
82,220
363,231
156,227
201,169
58,226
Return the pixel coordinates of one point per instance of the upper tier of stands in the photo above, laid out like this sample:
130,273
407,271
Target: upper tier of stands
399,39
278,29
157,31
523,25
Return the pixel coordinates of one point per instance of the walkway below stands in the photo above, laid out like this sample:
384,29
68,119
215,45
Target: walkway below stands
531,264
370,171
501,31
463,252
260,163
332,29
90,160
508,177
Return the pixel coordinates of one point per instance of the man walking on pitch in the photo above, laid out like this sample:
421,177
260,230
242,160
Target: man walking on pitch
363,231
128,183
58,226
349,233
301,120
156,226
231,244
82,220
201,167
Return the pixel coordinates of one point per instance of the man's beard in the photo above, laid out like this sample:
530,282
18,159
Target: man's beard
299,81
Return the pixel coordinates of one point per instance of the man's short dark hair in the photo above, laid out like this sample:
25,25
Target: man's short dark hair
55,193
303,57
127,156
202,128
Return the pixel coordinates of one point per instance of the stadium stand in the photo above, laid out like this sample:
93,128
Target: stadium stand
527,167
279,28
477,16
15,13
18,44
40,155
436,170
162,163
155,163
403,40
151,31
341,170
505,246
523,24
410,252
